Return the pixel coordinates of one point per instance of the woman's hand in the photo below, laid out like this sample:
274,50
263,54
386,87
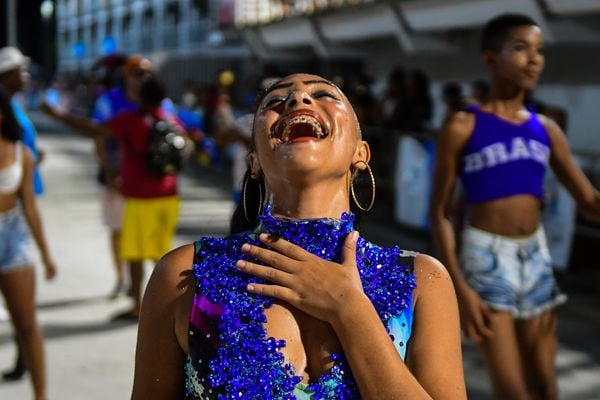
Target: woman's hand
475,316
320,288
49,266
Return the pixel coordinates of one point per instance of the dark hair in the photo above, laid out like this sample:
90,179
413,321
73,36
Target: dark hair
152,92
496,31
481,85
9,127
252,189
451,91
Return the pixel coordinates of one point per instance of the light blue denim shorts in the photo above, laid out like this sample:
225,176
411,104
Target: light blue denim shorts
510,274
15,249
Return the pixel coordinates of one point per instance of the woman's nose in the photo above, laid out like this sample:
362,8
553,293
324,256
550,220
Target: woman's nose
298,98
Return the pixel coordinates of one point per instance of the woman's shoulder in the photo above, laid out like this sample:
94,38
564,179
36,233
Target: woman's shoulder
173,266
395,256
431,276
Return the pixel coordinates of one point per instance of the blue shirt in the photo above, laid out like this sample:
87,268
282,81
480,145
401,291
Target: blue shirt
28,139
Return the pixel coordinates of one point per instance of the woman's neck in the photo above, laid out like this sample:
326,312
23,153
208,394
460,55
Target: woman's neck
505,98
325,200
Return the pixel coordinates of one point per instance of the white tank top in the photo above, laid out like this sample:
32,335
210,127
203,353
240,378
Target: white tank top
10,177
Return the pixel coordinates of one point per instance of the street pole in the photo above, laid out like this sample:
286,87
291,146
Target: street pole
11,25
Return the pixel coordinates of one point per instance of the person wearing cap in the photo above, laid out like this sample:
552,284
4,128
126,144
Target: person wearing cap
136,70
13,79
117,100
19,223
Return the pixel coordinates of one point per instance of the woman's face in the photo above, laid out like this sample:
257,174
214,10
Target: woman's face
521,58
15,80
305,127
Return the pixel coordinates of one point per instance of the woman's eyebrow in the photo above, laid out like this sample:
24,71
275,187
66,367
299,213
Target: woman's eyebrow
316,81
284,85
279,86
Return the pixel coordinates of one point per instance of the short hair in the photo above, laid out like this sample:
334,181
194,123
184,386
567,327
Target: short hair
152,92
497,30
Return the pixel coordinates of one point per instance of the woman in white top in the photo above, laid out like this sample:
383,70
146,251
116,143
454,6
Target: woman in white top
18,217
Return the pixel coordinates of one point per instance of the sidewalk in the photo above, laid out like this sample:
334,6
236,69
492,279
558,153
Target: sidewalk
90,357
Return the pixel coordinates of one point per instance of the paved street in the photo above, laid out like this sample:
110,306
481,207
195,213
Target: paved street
90,357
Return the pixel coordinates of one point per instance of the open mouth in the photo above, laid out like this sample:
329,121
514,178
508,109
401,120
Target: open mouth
298,127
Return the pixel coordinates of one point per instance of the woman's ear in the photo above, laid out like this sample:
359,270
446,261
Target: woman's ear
255,170
362,155
488,57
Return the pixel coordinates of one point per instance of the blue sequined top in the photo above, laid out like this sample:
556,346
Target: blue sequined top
230,356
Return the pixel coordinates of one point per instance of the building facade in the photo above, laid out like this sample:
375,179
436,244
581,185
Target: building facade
88,29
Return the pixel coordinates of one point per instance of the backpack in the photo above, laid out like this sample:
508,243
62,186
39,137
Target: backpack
166,145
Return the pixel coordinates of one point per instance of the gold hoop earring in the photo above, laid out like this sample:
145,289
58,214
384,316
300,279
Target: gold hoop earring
360,206
260,198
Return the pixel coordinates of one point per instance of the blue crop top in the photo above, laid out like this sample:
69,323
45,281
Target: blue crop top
503,159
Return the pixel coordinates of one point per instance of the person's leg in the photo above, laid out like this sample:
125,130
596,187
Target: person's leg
18,288
131,248
136,273
502,356
538,341
112,213
115,239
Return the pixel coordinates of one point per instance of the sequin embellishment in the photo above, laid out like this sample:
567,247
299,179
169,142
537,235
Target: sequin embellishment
249,365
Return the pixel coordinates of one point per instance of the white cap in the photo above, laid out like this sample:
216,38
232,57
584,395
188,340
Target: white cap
11,58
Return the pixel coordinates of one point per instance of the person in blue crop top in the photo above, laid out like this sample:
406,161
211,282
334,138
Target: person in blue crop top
506,289
326,314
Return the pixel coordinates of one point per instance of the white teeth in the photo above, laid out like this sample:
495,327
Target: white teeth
303,119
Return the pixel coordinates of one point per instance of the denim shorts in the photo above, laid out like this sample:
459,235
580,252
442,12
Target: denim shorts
15,249
510,274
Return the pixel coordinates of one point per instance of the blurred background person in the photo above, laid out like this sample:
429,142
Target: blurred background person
453,99
503,277
150,200
19,218
136,70
14,79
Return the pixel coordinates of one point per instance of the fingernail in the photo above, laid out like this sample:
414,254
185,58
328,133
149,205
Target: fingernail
264,236
250,288
245,247
354,236
240,264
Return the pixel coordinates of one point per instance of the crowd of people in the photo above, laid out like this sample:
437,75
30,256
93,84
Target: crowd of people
272,310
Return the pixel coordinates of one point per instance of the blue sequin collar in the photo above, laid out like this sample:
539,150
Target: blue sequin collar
249,365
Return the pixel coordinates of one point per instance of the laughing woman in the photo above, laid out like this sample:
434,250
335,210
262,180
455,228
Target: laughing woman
294,304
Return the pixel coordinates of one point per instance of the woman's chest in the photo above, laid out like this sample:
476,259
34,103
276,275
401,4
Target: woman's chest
309,342
8,156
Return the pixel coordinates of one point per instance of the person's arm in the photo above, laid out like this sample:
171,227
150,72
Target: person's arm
32,216
451,142
569,174
83,124
433,353
163,327
109,170
333,293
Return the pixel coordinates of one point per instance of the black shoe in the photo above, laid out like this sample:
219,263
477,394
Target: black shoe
15,374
